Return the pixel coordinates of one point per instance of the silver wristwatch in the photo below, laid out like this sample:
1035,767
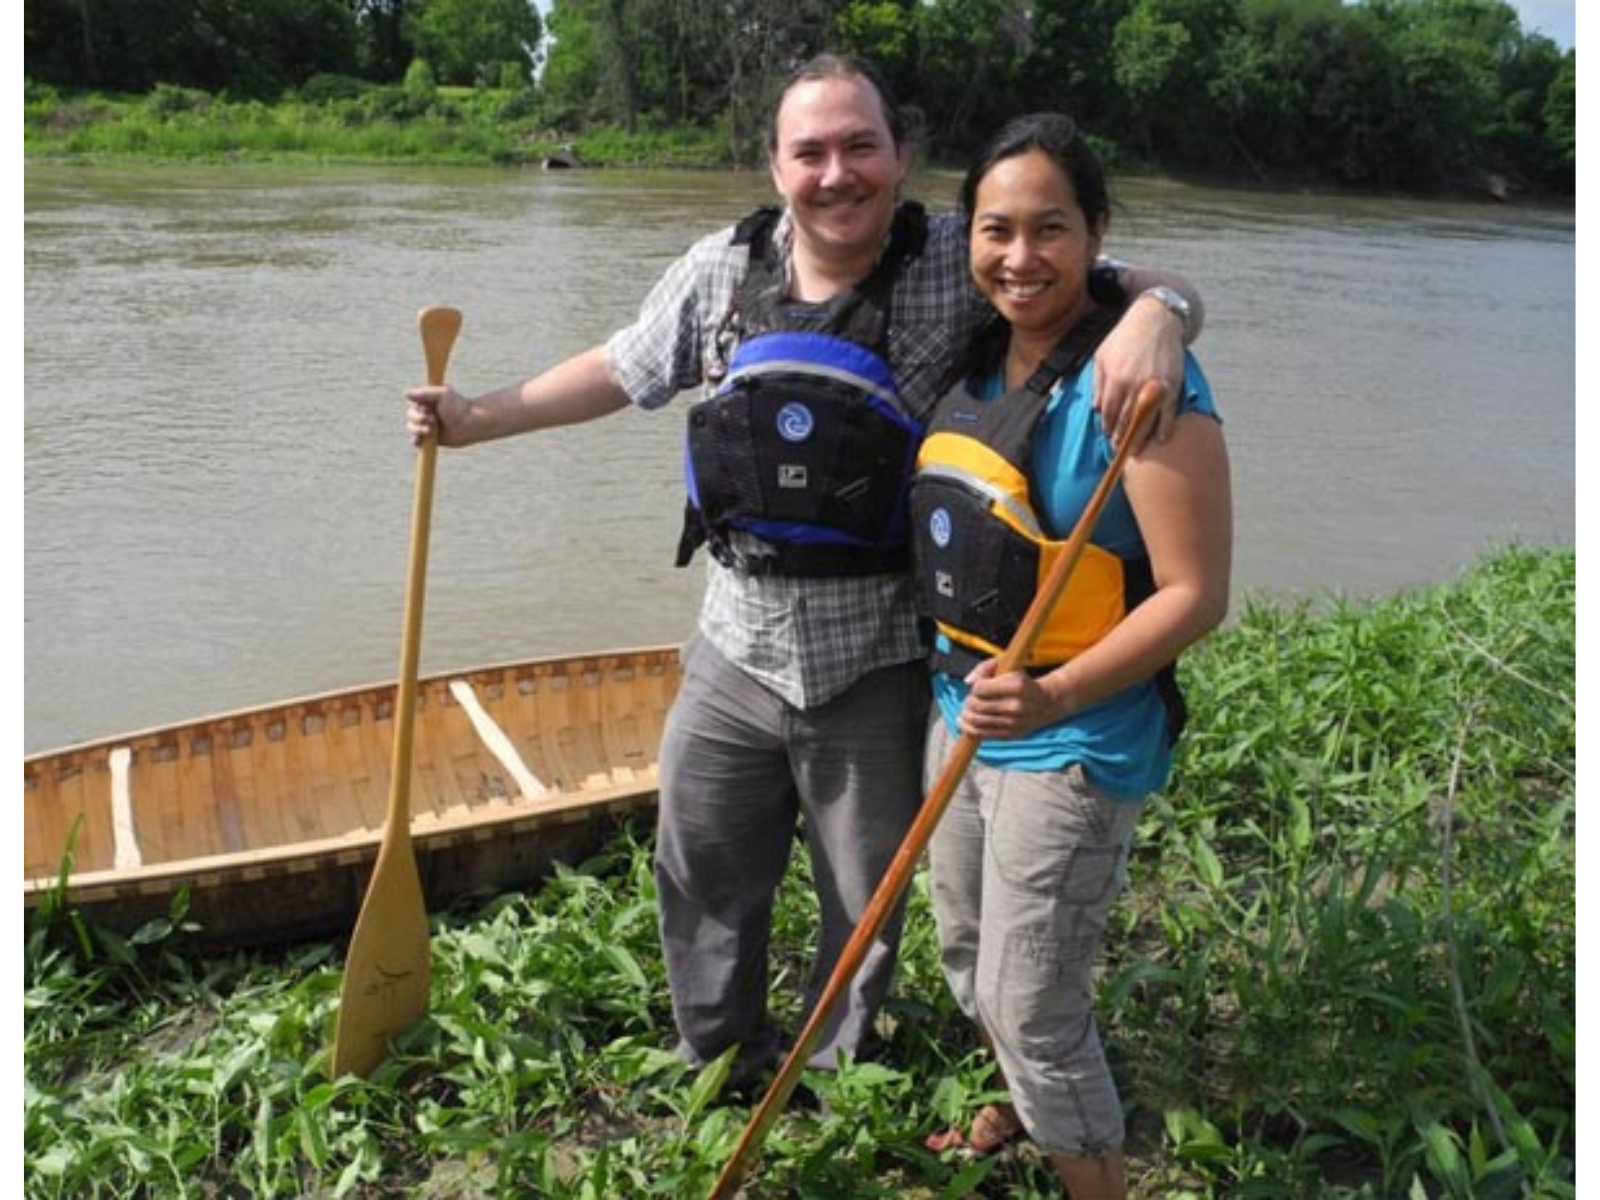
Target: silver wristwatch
1172,301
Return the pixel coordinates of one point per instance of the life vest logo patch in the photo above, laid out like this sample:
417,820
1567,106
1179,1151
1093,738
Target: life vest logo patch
939,528
795,422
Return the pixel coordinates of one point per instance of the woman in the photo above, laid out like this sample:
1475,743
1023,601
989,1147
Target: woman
803,692
1033,847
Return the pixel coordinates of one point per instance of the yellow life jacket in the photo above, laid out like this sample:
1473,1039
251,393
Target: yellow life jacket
981,549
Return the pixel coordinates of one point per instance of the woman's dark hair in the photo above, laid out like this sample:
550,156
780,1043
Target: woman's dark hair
1057,135
838,66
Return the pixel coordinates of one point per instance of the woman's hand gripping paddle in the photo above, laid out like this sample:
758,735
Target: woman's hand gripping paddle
386,975
898,875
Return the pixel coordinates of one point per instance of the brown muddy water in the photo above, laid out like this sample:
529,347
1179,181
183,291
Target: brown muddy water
217,487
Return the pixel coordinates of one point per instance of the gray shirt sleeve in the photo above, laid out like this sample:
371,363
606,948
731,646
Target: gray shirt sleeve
666,350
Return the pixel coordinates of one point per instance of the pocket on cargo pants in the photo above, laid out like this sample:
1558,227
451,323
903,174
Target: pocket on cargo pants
1058,850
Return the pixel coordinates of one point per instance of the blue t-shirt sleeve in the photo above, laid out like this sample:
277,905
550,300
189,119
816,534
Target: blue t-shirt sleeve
1197,395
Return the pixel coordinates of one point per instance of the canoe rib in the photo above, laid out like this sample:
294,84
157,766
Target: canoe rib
125,837
267,815
495,740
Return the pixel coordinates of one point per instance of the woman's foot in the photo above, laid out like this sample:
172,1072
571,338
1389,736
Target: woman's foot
995,1127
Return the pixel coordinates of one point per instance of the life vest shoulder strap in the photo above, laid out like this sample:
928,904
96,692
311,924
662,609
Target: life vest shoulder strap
757,226
1007,424
761,290
1068,356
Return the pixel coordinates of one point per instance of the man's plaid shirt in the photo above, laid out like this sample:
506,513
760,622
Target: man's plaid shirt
806,639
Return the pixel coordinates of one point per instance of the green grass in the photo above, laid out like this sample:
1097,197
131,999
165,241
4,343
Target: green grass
358,123
1346,968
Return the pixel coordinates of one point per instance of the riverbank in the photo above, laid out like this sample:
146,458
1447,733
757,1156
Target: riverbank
468,126
1346,967
448,126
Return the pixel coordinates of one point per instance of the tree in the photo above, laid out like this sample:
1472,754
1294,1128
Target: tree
969,51
247,47
292,39
1517,143
1166,53
1561,123
616,60
884,31
468,41
1147,49
754,43
1366,93
1356,118
1445,54
611,26
703,61
1247,91
1070,63
574,86
1286,80
682,80
382,50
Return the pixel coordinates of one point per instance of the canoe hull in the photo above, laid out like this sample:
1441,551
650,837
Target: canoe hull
270,818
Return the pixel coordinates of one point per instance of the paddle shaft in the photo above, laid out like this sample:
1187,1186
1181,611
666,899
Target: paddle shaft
898,874
386,978
439,329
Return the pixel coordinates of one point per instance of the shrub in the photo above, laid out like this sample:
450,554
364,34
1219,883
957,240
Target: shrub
325,88
34,92
518,106
419,82
170,100
1345,968
392,104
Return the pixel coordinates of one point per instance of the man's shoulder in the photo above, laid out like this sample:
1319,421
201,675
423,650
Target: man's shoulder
719,244
947,232
707,271
935,282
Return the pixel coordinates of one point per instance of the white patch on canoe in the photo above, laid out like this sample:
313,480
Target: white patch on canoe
125,839
496,740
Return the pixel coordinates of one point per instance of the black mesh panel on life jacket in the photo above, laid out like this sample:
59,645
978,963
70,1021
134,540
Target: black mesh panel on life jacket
871,480
720,435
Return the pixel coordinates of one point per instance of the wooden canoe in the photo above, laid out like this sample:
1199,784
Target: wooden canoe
271,817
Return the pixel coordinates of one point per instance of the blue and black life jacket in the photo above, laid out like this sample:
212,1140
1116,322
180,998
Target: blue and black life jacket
806,444
982,550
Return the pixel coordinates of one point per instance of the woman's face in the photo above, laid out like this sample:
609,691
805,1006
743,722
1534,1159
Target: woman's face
837,166
1032,247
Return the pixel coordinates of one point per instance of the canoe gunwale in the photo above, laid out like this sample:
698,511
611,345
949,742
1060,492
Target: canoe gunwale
314,700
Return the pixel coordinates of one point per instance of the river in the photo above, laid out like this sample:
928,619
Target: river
217,487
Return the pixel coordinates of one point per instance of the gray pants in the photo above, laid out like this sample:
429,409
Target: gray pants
1025,866
739,766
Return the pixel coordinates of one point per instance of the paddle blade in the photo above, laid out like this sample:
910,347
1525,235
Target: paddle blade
386,976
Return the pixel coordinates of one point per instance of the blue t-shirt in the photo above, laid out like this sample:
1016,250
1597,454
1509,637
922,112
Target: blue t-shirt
1121,742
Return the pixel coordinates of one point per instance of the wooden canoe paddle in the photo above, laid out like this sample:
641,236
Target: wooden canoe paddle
903,865
386,972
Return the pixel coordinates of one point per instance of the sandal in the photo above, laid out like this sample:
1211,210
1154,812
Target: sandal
994,1128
